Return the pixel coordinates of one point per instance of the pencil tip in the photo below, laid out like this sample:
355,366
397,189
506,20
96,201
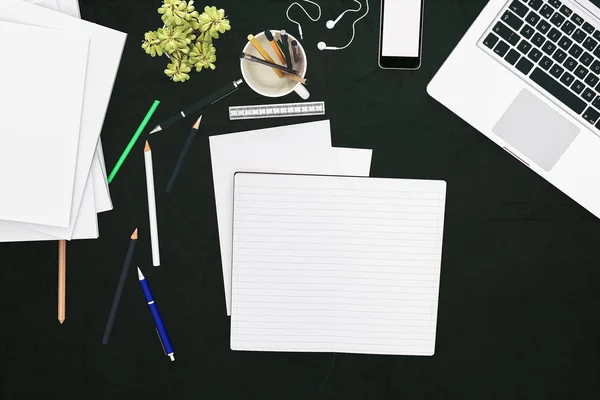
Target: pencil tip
147,147
61,320
156,129
197,124
134,236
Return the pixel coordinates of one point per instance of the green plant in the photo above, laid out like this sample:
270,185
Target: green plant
186,37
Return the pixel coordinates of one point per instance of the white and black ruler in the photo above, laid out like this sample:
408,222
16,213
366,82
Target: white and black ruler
277,110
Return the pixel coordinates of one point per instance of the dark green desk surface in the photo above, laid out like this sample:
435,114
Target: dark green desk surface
519,299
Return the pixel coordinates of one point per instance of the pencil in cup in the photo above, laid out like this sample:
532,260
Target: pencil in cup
275,46
287,72
295,51
264,53
285,45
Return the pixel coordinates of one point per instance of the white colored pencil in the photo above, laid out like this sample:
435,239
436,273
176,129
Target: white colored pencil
152,205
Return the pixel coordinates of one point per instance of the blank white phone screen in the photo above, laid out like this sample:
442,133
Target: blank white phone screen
401,28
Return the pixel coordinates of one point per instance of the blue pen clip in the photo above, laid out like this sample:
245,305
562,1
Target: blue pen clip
161,342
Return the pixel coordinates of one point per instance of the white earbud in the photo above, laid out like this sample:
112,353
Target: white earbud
323,46
331,24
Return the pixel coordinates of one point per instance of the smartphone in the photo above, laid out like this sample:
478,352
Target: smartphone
400,34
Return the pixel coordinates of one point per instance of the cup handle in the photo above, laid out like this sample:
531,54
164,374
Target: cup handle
302,92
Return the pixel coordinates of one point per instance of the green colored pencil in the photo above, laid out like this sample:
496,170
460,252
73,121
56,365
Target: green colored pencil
134,139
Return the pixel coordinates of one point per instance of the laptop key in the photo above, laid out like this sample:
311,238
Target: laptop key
535,4
559,56
581,71
579,35
519,8
557,90
556,71
538,40
512,56
557,19
546,63
506,33
527,31
523,47
501,48
597,52
595,67
592,80
490,40
565,43
546,11
596,35
524,65
566,11
512,20
570,64
548,47
568,27
535,55
554,35
543,26
586,59
590,44
577,86
588,28
588,95
575,51
577,19
555,3
591,115
567,78
596,102
532,18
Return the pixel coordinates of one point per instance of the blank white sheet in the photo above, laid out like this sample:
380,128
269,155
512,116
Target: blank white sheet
105,51
39,159
336,264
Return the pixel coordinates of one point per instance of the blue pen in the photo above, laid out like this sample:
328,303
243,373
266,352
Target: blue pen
160,327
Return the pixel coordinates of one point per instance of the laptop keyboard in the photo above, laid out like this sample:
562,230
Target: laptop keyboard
547,43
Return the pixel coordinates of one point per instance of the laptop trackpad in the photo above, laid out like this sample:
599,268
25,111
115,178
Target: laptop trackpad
536,130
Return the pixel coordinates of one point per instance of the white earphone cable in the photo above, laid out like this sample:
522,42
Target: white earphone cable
354,26
287,13
349,10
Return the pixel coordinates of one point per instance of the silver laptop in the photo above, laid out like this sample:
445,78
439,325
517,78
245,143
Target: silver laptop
527,75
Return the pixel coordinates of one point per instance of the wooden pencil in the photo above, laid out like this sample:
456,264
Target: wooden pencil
62,279
117,298
275,46
263,53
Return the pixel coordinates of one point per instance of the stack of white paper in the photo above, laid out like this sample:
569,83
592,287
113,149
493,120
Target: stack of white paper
302,148
52,166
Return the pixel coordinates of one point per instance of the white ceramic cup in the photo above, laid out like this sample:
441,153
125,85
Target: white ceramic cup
263,80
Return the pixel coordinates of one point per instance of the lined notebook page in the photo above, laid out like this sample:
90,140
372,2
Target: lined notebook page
336,264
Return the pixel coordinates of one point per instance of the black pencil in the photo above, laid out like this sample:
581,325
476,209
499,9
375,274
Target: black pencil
186,148
286,48
117,299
